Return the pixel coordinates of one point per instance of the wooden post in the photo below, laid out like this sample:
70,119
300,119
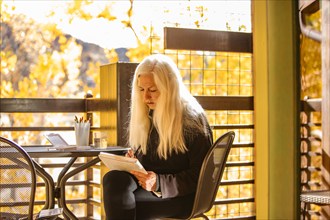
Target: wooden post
89,171
116,89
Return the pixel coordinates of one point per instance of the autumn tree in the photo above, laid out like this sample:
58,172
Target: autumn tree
39,60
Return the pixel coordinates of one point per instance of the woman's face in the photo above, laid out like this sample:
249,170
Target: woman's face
148,90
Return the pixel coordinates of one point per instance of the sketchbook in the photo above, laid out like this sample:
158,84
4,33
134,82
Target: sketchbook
116,162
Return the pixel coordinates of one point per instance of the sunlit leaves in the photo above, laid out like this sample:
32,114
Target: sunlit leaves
5,11
78,8
27,88
310,59
6,89
314,20
42,54
59,69
8,62
310,68
105,13
138,53
111,55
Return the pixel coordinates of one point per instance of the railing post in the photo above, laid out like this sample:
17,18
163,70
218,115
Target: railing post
89,115
89,171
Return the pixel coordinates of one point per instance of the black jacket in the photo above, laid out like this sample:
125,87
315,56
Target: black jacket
178,175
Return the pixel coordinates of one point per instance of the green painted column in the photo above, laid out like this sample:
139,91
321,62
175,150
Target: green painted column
276,108
261,99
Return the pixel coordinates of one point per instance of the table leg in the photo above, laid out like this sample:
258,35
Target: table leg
65,169
61,185
57,190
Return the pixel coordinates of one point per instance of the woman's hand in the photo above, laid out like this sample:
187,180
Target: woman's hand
146,181
130,153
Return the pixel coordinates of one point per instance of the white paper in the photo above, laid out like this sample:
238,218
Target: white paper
116,162
50,212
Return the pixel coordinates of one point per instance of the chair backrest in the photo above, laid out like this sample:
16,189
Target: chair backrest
17,181
211,173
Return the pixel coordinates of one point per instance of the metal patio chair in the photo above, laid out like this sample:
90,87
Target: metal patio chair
17,183
210,176
317,197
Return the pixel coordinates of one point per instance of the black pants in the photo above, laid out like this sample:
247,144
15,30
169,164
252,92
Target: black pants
125,199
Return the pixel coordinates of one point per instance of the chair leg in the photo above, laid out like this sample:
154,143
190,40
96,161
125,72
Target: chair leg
205,217
304,210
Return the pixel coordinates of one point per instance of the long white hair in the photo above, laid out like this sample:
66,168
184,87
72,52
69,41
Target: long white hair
176,109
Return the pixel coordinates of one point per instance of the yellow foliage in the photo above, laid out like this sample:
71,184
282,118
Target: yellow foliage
8,62
105,13
6,89
310,60
76,7
137,54
26,88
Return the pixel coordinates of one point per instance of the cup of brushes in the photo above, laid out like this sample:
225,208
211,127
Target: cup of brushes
82,128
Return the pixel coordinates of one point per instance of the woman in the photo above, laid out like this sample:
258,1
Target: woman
170,135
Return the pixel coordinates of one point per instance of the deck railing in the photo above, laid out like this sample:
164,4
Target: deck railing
311,150
310,143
